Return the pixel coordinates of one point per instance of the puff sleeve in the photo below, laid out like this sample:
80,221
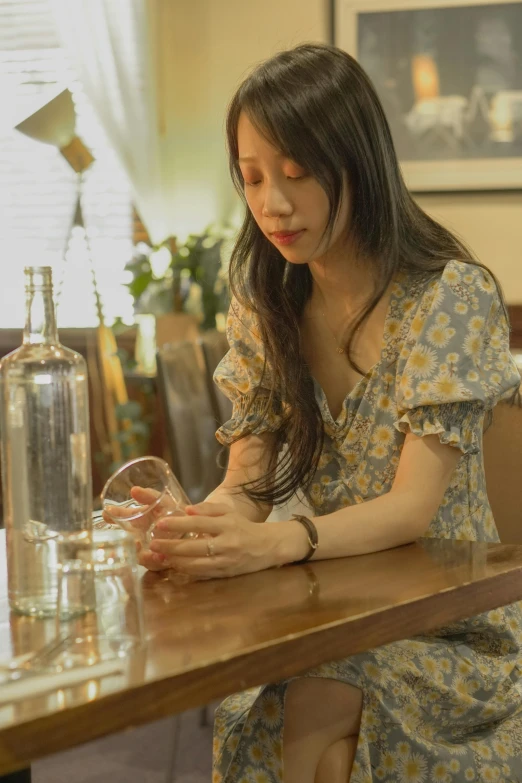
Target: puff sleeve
455,363
240,377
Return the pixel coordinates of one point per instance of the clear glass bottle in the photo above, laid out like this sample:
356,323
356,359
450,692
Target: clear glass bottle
46,462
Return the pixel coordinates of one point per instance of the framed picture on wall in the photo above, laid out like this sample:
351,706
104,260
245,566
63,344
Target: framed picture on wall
449,74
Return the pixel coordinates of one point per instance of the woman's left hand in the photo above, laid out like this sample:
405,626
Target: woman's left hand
228,543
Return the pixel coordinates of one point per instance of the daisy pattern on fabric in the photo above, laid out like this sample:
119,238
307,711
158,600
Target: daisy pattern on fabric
438,297
383,435
393,326
382,439
446,388
452,359
500,748
422,362
271,712
452,276
255,751
461,308
476,324
439,773
423,390
486,284
439,335
473,346
443,319
389,762
384,402
260,776
413,769
403,750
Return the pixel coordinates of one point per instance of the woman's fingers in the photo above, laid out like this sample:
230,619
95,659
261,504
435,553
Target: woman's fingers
196,524
152,560
144,495
208,509
110,513
202,567
182,548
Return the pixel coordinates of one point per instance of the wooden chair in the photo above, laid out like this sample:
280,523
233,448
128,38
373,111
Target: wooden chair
503,466
214,346
190,420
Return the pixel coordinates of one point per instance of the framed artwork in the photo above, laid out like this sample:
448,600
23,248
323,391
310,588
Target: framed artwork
449,75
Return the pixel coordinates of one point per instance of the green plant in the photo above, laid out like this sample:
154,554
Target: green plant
190,277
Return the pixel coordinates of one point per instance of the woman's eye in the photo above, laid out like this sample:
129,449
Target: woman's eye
252,184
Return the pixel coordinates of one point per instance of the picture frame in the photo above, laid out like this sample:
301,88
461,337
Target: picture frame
449,75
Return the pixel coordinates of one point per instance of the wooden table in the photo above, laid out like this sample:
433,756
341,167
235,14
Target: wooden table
210,639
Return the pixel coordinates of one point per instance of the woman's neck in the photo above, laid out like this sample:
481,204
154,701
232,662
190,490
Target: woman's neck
342,279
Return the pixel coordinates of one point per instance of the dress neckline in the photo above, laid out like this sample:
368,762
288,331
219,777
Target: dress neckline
397,292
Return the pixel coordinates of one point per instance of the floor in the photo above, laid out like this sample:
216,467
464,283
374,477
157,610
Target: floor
142,755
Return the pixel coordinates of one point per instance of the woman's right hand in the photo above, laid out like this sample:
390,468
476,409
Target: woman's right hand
145,497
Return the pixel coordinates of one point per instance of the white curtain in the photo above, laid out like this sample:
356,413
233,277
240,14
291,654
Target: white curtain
142,64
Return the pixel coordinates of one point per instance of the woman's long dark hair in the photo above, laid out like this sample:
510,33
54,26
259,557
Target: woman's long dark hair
318,107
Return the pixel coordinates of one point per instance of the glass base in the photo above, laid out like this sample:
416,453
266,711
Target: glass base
43,610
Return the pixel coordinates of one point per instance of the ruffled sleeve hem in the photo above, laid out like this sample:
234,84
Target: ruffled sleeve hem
250,416
458,424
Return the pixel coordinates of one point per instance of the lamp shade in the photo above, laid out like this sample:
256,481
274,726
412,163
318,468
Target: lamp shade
53,123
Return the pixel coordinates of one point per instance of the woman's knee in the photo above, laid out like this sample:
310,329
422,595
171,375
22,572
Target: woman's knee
316,706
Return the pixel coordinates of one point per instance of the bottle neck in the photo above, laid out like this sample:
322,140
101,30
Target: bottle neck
40,323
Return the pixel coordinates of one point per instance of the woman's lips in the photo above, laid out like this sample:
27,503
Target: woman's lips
286,237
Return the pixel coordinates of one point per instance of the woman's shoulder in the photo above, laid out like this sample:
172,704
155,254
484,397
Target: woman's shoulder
464,274
468,274
458,283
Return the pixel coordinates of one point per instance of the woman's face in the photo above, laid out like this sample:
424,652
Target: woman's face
289,205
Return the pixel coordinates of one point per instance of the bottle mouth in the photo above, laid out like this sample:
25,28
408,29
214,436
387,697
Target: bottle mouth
38,277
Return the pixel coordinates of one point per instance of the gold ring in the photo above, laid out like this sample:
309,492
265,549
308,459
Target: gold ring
210,547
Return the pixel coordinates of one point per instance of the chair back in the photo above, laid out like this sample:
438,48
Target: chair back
503,466
190,419
214,346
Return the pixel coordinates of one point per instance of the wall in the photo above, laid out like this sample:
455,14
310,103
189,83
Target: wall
491,223
201,51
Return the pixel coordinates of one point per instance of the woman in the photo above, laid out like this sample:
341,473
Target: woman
367,346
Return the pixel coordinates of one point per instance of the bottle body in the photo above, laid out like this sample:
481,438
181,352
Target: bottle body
46,466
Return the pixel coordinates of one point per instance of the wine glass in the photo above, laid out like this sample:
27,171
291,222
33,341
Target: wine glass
139,494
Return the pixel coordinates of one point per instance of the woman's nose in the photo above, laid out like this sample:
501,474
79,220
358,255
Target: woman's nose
276,203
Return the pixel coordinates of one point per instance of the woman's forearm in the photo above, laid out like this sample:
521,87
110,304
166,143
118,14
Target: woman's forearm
382,523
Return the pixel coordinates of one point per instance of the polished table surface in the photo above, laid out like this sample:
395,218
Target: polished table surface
209,639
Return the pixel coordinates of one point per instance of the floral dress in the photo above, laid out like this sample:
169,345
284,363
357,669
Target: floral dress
447,706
